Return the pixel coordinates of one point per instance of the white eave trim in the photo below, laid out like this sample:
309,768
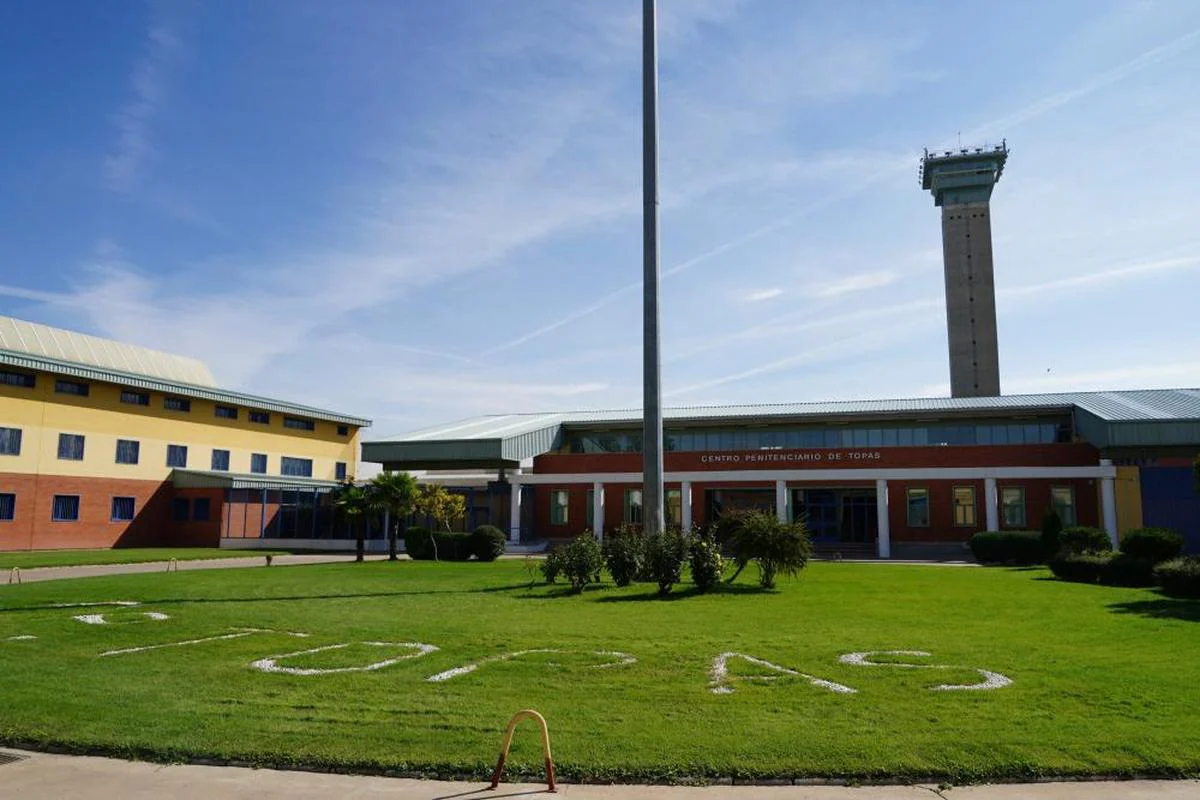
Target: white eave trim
809,475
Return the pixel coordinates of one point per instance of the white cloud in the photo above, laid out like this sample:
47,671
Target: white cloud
762,294
147,88
855,283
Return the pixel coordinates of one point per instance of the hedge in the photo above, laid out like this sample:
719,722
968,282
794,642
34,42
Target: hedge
488,543
1020,548
1082,539
1180,577
1079,567
1126,570
419,544
1155,544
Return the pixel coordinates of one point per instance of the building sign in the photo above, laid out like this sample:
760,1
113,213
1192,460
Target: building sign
794,457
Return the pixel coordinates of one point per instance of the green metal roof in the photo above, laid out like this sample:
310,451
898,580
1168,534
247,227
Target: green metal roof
212,479
1107,419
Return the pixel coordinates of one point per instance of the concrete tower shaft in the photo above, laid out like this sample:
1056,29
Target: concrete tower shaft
961,183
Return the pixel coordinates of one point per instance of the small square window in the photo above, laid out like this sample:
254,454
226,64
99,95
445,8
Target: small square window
135,398
177,404
297,424
177,455
343,430
8,507
339,471
66,508
201,507
261,417
122,509
77,388
226,412
180,509
918,508
10,441
258,463
220,460
128,451
70,447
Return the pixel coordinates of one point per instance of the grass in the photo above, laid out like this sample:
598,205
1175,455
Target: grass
30,559
1105,680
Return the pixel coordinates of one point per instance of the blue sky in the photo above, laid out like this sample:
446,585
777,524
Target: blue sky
421,211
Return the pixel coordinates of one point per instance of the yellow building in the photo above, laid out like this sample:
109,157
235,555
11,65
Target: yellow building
105,444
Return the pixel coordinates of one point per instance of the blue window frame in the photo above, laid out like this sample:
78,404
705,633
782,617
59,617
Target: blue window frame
201,508
226,412
70,447
295,423
122,509
339,471
128,451
220,460
135,398
258,463
261,417
77,388
10,441
180,509
23,379
296,467
8,507
65,508
177,455
177,404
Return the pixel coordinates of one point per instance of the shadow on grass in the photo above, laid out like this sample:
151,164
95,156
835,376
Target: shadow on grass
683,594
486,792
1165,608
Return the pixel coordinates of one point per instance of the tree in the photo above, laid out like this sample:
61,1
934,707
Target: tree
354,503
396,495
779,548
443,506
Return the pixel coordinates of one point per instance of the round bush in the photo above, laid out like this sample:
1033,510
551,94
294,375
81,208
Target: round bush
488,542
1020,548
1082,539
665,554
625,556
704,559
582,562
1155,544
418,543
1080,567
1126,570
554,564
1179,577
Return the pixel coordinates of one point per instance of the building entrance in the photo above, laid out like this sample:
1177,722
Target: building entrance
837,515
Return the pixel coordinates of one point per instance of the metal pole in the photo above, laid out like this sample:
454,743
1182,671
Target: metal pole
652,432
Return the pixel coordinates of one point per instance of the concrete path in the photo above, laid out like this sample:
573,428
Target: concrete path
39,775
61,573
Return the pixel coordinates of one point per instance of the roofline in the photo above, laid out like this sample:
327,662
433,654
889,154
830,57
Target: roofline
57,366
216,479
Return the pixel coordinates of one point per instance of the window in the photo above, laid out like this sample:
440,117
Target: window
343,430
8,507
176,455
1062,500
10,441
18,379
127,451
674,509
339,471
964,506
918,508
1012,506
177,404
71,387
298,424
70,447
201,507
180,508
66,508
295,467
226,412
559,506
135,398
633,506
220,460
261,417
122,509
258,463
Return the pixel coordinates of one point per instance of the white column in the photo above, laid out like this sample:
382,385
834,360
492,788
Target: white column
598,510
781,510
685,503
1108,502
514,514
991,504
881,512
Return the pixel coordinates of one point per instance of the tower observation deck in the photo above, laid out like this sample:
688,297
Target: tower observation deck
961,183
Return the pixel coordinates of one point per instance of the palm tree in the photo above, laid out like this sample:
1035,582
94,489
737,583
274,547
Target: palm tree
353,503
396,494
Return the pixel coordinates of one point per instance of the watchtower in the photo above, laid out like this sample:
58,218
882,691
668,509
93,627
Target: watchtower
961,183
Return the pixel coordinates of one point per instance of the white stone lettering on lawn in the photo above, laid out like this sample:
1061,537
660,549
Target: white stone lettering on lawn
719,680
619,659
238,634
991,680
271,663
101,619
125,603
24,637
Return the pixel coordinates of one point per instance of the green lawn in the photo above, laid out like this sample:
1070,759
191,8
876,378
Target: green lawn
29,559
1104,680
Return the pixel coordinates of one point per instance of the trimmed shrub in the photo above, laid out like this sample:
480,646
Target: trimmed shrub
582,562
1155,544
1180,577
705,561
665,554
554,564
418,543
624,554
422,545
1020,548
1082,539
779,548
1079,568
1051,528
1126,570
488,542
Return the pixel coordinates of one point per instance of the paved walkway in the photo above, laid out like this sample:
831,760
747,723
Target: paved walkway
38,775
61,573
